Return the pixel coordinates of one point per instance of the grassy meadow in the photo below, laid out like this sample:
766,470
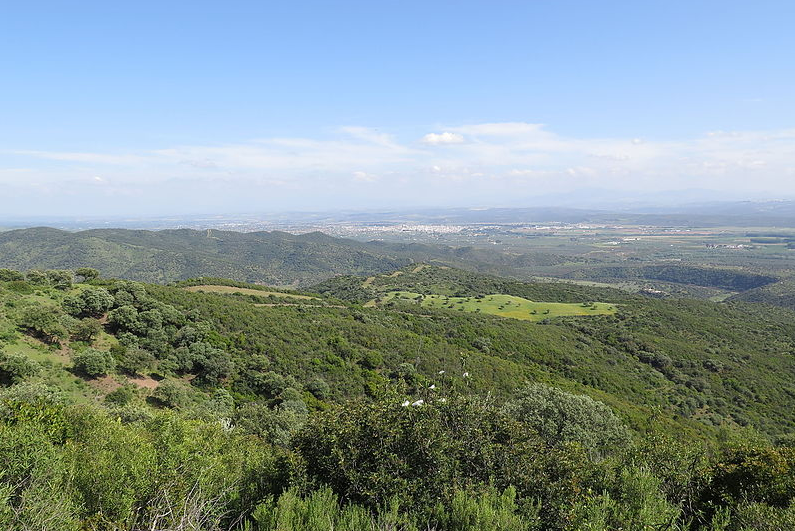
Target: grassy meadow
502,305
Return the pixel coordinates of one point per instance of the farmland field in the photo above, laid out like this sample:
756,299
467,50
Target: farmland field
501,305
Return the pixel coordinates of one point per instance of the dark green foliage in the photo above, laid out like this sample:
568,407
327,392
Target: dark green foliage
274,425
60,279
319,388
87,273
134,360
15,368
730,279
43,322
36,276
560,417
86,329
122,396
752,474
385,451
9,275
169,255
90,302
280,416
172,394
92,362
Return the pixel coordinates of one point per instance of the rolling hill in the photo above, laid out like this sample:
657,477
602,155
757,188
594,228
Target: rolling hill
276,258
107,386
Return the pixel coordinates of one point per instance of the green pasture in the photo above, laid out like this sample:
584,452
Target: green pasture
501,305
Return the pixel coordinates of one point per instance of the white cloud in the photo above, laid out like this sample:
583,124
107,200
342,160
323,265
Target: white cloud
443,138
479,162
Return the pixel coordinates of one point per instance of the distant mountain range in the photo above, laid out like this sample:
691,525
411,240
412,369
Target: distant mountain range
274,258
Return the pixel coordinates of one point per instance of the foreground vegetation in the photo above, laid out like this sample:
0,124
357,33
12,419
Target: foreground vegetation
465,463
127,406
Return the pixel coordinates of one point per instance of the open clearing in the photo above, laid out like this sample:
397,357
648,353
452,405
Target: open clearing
502,305
246,291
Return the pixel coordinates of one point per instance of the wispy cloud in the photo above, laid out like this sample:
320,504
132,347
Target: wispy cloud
443,138
494,161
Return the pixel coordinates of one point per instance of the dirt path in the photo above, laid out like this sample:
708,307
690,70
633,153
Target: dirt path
145,382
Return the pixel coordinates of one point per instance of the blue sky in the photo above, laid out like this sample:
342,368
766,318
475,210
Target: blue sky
160,107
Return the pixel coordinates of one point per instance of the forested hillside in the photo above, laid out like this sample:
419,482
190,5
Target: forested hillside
214,404
169,255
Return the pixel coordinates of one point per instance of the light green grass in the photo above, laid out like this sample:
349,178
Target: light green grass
246,291
502,305
54,370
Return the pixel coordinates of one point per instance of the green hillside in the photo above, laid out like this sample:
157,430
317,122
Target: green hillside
700,362
309,391
276,258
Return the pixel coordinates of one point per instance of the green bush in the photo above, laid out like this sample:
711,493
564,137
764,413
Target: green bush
15,368
44,322
561,417
86,330
92,362
122,396
172,394
379,452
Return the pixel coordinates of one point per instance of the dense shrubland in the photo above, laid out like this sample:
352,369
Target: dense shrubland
465,463
203,411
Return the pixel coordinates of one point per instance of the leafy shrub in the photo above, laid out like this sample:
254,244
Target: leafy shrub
86,330
87,273
319,388
10,275
122,396
44,322
89,302
59,279
16,367
135,360
561,417
381,452
92,362
173,394
276,426
752,473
